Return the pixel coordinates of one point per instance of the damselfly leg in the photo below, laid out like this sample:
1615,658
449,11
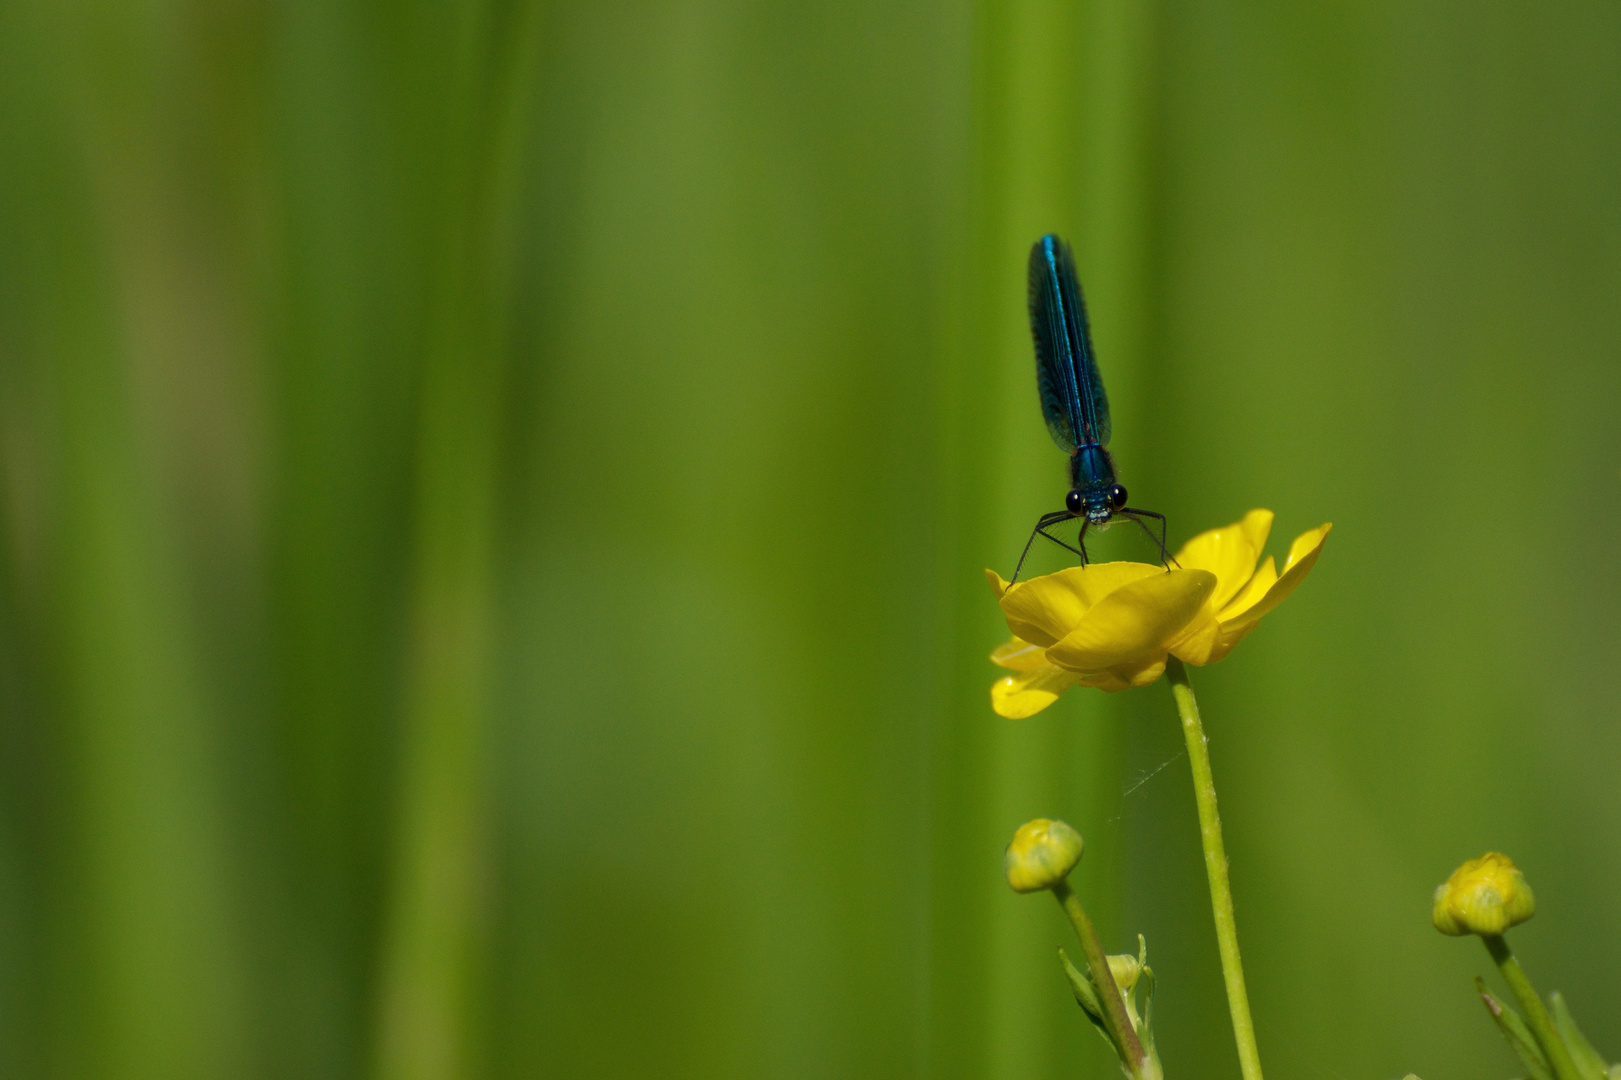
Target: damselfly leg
1137,515
1045,522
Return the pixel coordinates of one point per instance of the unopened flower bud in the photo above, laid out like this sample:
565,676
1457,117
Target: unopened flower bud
1484,896
1041,855
1125,968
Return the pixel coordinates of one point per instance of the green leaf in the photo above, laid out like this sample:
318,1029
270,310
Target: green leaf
1145,1031
1518,1035
1588,1061
1087,998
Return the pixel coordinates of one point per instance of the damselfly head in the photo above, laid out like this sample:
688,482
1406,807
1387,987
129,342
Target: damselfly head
1096,504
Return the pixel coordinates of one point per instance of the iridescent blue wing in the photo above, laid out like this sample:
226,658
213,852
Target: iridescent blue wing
1072,397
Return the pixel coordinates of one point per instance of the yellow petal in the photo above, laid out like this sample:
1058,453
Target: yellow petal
1307,544
998,583
1194,645
1044,609
1228,552
1143,674
1251,594
1302,557
1096,580
1027,693
1133,623
1107,681
1231,634
1017,655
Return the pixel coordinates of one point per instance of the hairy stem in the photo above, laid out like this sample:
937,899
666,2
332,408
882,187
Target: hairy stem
1215,864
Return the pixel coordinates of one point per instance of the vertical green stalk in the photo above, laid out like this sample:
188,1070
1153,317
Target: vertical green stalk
434,944
432,935
139,914
1028,93
1215,864
1536,1014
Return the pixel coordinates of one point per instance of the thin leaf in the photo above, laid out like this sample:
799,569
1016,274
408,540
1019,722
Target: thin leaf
1087,998
1518,1035
1588,1061
1145,1031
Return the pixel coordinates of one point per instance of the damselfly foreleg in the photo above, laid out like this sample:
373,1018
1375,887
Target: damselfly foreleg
1042,524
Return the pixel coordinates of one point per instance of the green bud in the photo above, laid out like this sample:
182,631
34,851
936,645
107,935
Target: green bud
1125,968
1484,896
1041,855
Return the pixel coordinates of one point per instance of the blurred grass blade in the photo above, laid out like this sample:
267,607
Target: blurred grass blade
435,945
1062,146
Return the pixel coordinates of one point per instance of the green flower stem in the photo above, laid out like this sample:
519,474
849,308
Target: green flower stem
1114,1007
1536,1014
1215,864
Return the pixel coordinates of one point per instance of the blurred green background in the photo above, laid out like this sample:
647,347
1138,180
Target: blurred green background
493,497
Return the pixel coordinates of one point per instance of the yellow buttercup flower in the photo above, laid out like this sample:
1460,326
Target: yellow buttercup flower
1111,625
1105,625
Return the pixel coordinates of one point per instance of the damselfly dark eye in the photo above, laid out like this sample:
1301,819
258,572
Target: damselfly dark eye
1117,497
1074,501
